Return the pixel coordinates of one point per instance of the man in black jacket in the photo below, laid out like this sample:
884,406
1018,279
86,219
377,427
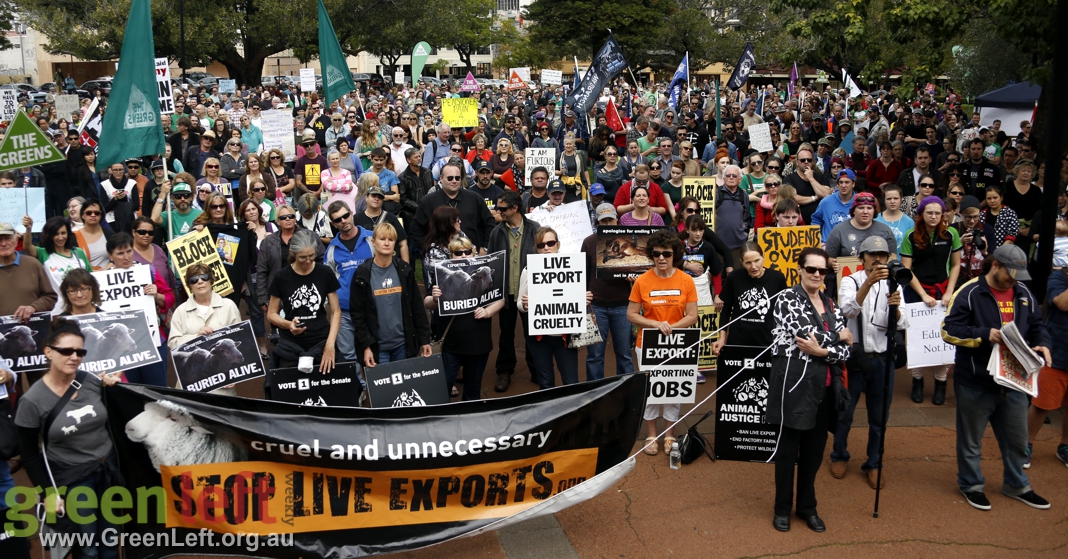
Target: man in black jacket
196,155
978,173
514,234
476,222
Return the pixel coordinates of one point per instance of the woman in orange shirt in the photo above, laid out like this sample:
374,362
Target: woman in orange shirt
674,305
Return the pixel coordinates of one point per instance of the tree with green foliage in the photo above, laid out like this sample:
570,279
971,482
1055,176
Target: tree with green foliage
566,28
7,18
516,50
473,31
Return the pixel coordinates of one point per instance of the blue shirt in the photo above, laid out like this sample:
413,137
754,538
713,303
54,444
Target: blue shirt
830,212
1057,323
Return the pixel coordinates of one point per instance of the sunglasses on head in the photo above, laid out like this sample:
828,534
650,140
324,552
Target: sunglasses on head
193,280
68,351
549,244
465,252
340,218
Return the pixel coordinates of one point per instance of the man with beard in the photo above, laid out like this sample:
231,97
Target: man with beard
977,172
181,219
810,184
484,186
511,133
476,222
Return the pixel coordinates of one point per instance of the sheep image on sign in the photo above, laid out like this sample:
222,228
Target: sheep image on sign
469,283
117,341
22,345
227,356
173,437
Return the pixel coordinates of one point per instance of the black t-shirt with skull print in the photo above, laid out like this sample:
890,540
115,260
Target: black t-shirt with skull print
305,297
750,298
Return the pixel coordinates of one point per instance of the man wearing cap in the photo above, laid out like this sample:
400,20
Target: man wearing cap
181,219
148,191
865,299
27,288
196,155
511,133
823,154
846,237
836,208
133,172
597,194
557,192
571,126
485,187
308,169
514,234
610,301
973,324
475,219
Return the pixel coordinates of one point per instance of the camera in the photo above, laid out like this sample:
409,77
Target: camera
899,275
977,239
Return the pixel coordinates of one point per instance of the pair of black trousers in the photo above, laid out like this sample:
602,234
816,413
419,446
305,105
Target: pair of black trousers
805,450
506,359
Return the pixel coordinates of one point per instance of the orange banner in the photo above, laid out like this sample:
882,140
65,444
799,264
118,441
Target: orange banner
270,497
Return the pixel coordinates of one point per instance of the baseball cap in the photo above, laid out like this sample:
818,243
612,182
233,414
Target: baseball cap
181,187
556,186
605,211
208,134
157,164
6,228
569,113
847,172
482,165
597,188
825,141
874,243
375,191
1010,256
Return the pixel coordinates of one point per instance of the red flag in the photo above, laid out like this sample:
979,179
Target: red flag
509,179
610,112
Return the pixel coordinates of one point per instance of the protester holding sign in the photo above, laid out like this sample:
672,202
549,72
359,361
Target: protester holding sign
306,291
236,242
468,338
121,252
663,298
202,314
932,251
74,449
178,221
79,293
59,251
545,348
811,343
389,321
610,300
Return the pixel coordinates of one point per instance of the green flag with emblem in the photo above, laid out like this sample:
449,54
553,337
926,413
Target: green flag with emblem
337,80
131,124
25,145
419,55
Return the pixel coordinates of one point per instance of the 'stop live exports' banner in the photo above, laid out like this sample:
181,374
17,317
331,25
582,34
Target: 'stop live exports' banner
354,481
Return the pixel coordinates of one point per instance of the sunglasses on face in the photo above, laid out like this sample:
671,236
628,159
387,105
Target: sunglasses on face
812,270
690,210
465,252
549,244
193,280
774,167
955,174
772,184
218,206
68,351
341,217
808,160
663,253
260,189
451,178
144,232
211,166
501,208
286,217
956,193
91,213
927,184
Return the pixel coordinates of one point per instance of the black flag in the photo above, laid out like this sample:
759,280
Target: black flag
608,63
744,67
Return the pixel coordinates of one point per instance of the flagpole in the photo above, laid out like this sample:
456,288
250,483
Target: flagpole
719,112
687,77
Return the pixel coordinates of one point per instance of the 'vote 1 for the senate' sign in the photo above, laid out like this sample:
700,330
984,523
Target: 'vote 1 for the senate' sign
671,361
556,293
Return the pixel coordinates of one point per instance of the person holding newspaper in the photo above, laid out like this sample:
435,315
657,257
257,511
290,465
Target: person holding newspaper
973,323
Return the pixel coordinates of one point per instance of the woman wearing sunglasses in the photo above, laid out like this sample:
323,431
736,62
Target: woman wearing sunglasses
234,162
811,343
545,348
663,298
236,242
204,312
284,179
211,178
78,451
147,252
58,251
93,237
468,338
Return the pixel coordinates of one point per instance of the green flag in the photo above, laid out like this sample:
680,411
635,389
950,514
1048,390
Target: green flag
131,124
25,145
419,55
337,80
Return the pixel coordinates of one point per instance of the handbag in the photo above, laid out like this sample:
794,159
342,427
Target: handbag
693,444
591,336
435,345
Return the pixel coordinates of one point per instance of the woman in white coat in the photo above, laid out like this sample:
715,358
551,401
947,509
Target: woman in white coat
202,313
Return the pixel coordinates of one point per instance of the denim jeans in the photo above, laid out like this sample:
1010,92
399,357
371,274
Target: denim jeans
610,321
346,339
473,365
871,383
255,314
1006,412
95,482
152,375
543,351
398,353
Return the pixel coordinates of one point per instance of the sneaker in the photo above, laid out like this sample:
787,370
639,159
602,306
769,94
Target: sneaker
1062,453
1027,461
700,378
1031,499
977,499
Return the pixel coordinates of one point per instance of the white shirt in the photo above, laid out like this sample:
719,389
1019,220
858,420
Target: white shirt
396,153
874,313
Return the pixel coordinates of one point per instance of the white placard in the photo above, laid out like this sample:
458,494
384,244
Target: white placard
671,360
9,104
65,105
398,78
556,291
166,95
307,79
523,73
760,137
15,203
277,129
540,157
570,221
123,290
552,77
227,86
924,336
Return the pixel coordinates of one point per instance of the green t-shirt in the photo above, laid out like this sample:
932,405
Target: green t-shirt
931,264
644,144
181,224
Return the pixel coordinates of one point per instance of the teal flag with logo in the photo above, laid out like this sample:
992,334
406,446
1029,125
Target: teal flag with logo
131,124
419,55
337,79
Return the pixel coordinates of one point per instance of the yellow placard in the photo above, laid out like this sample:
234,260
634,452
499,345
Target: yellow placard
707,317
704,189
197,247
460,112
782,246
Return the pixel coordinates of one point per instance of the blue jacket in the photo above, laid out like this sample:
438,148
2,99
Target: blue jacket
830,212
252,137
973,311
344,263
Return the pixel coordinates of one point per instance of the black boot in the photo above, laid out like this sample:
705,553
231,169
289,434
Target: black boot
939,397
917,390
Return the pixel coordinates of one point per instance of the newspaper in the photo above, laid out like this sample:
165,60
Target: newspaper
1014,364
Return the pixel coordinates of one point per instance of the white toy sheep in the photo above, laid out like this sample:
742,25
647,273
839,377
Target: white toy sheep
173,438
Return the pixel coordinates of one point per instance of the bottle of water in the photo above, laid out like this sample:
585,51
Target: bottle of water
675,457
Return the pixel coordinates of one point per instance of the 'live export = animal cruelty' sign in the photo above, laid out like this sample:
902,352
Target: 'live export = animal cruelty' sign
556,285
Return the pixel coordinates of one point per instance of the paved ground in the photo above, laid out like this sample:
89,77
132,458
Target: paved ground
724,509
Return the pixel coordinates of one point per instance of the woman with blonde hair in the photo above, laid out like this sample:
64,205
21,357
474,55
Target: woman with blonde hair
571,168
368,141
502,161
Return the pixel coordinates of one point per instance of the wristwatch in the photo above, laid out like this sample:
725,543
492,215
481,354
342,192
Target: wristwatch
158,201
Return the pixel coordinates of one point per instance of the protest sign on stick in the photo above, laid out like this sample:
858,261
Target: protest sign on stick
228,355
556,291
22,345
419,381
621,250
197,247
339,388
66,105
460,112
570,221
124,290
163,83
671,361
469,283
704,189
782,246
18,202
117,341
